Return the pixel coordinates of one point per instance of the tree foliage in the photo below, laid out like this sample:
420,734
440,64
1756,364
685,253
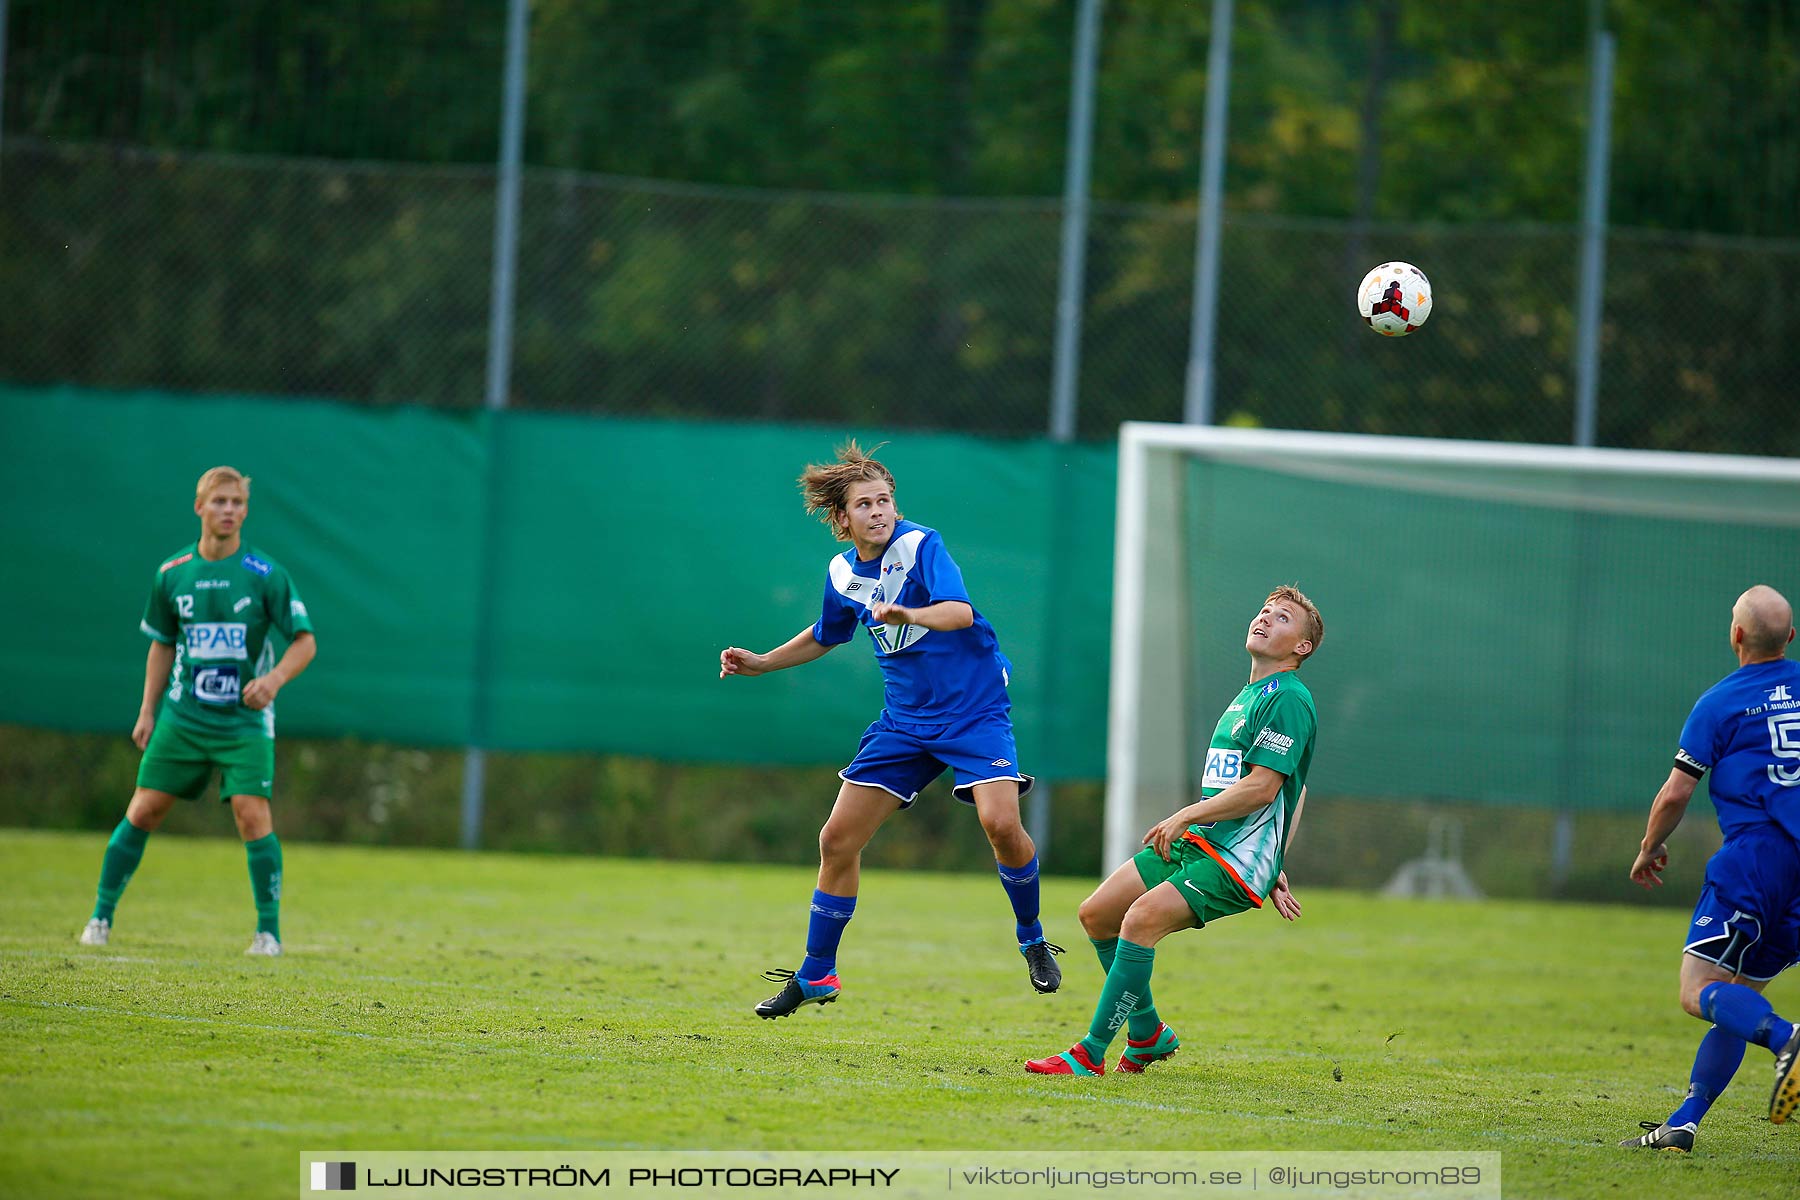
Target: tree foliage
1450,133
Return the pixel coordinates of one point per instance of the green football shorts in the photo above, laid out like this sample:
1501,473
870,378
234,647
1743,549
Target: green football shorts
181,761
1209,890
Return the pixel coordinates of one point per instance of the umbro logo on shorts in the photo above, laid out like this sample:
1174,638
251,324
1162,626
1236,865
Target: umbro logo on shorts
1000,762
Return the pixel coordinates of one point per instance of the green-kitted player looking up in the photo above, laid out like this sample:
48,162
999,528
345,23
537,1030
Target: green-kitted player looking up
1217,857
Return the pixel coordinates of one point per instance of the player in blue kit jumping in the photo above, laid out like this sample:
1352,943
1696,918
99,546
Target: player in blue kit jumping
945,706
1746,927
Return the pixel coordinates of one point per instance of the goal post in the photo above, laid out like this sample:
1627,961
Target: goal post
1505,624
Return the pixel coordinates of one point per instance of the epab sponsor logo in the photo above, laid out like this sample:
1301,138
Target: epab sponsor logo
1223,768
217,639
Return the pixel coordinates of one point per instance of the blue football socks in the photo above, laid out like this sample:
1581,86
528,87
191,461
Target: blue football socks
1021,884
1743,1011
1717,1061
823,930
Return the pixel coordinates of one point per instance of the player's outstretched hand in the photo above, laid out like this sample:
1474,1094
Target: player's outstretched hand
1283,896
1162,835
140,733
734,660
259,693
891,614
1647,868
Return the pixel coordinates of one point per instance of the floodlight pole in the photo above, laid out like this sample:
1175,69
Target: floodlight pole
499,380
1199,407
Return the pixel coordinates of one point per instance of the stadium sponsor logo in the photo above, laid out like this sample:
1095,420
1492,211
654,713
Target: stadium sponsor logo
217,639
173,562
241,605
202,584
334,1177
216,685
253,563
1280,743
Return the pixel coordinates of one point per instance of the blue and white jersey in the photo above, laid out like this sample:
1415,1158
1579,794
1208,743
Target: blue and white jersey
1746,730
931,675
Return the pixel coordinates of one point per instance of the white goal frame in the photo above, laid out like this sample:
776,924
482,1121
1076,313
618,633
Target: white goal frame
1137,442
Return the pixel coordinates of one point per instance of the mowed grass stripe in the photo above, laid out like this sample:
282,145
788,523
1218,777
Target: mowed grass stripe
446,1000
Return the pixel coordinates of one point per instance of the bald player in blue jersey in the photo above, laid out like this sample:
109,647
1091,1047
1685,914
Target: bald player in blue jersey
1746,926
946,706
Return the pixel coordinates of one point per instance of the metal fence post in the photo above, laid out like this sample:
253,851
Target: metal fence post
1073,271
2,75
1587,364
499,378
1199,406
1065,381
1593,239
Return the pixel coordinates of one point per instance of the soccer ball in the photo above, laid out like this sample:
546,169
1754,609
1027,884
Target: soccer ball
1394,298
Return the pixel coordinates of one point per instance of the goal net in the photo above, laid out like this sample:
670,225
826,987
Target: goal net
1512,626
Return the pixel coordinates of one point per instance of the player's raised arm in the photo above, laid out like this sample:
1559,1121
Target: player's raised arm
946,616
803,647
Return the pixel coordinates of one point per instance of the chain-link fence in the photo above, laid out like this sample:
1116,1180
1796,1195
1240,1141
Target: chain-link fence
370,284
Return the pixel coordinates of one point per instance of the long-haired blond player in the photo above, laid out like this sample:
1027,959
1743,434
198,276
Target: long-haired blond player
946,707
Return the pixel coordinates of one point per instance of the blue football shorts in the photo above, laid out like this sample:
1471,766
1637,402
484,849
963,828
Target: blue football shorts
901,758
1748,917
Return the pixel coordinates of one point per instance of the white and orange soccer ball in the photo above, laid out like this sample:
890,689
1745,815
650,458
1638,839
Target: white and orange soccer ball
1394,298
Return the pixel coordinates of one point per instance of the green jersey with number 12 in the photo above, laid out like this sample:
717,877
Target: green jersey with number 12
217,615
1272,724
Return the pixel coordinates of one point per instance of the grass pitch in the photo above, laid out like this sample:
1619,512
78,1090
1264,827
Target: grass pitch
434,1000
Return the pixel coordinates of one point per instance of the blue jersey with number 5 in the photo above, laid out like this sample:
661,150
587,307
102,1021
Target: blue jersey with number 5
1746,730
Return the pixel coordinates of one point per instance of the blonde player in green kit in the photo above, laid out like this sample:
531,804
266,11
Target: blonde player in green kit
212,607
1216,857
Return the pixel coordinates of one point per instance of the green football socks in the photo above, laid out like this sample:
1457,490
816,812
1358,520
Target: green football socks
123,853
1127,987
1143,1020
265,883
